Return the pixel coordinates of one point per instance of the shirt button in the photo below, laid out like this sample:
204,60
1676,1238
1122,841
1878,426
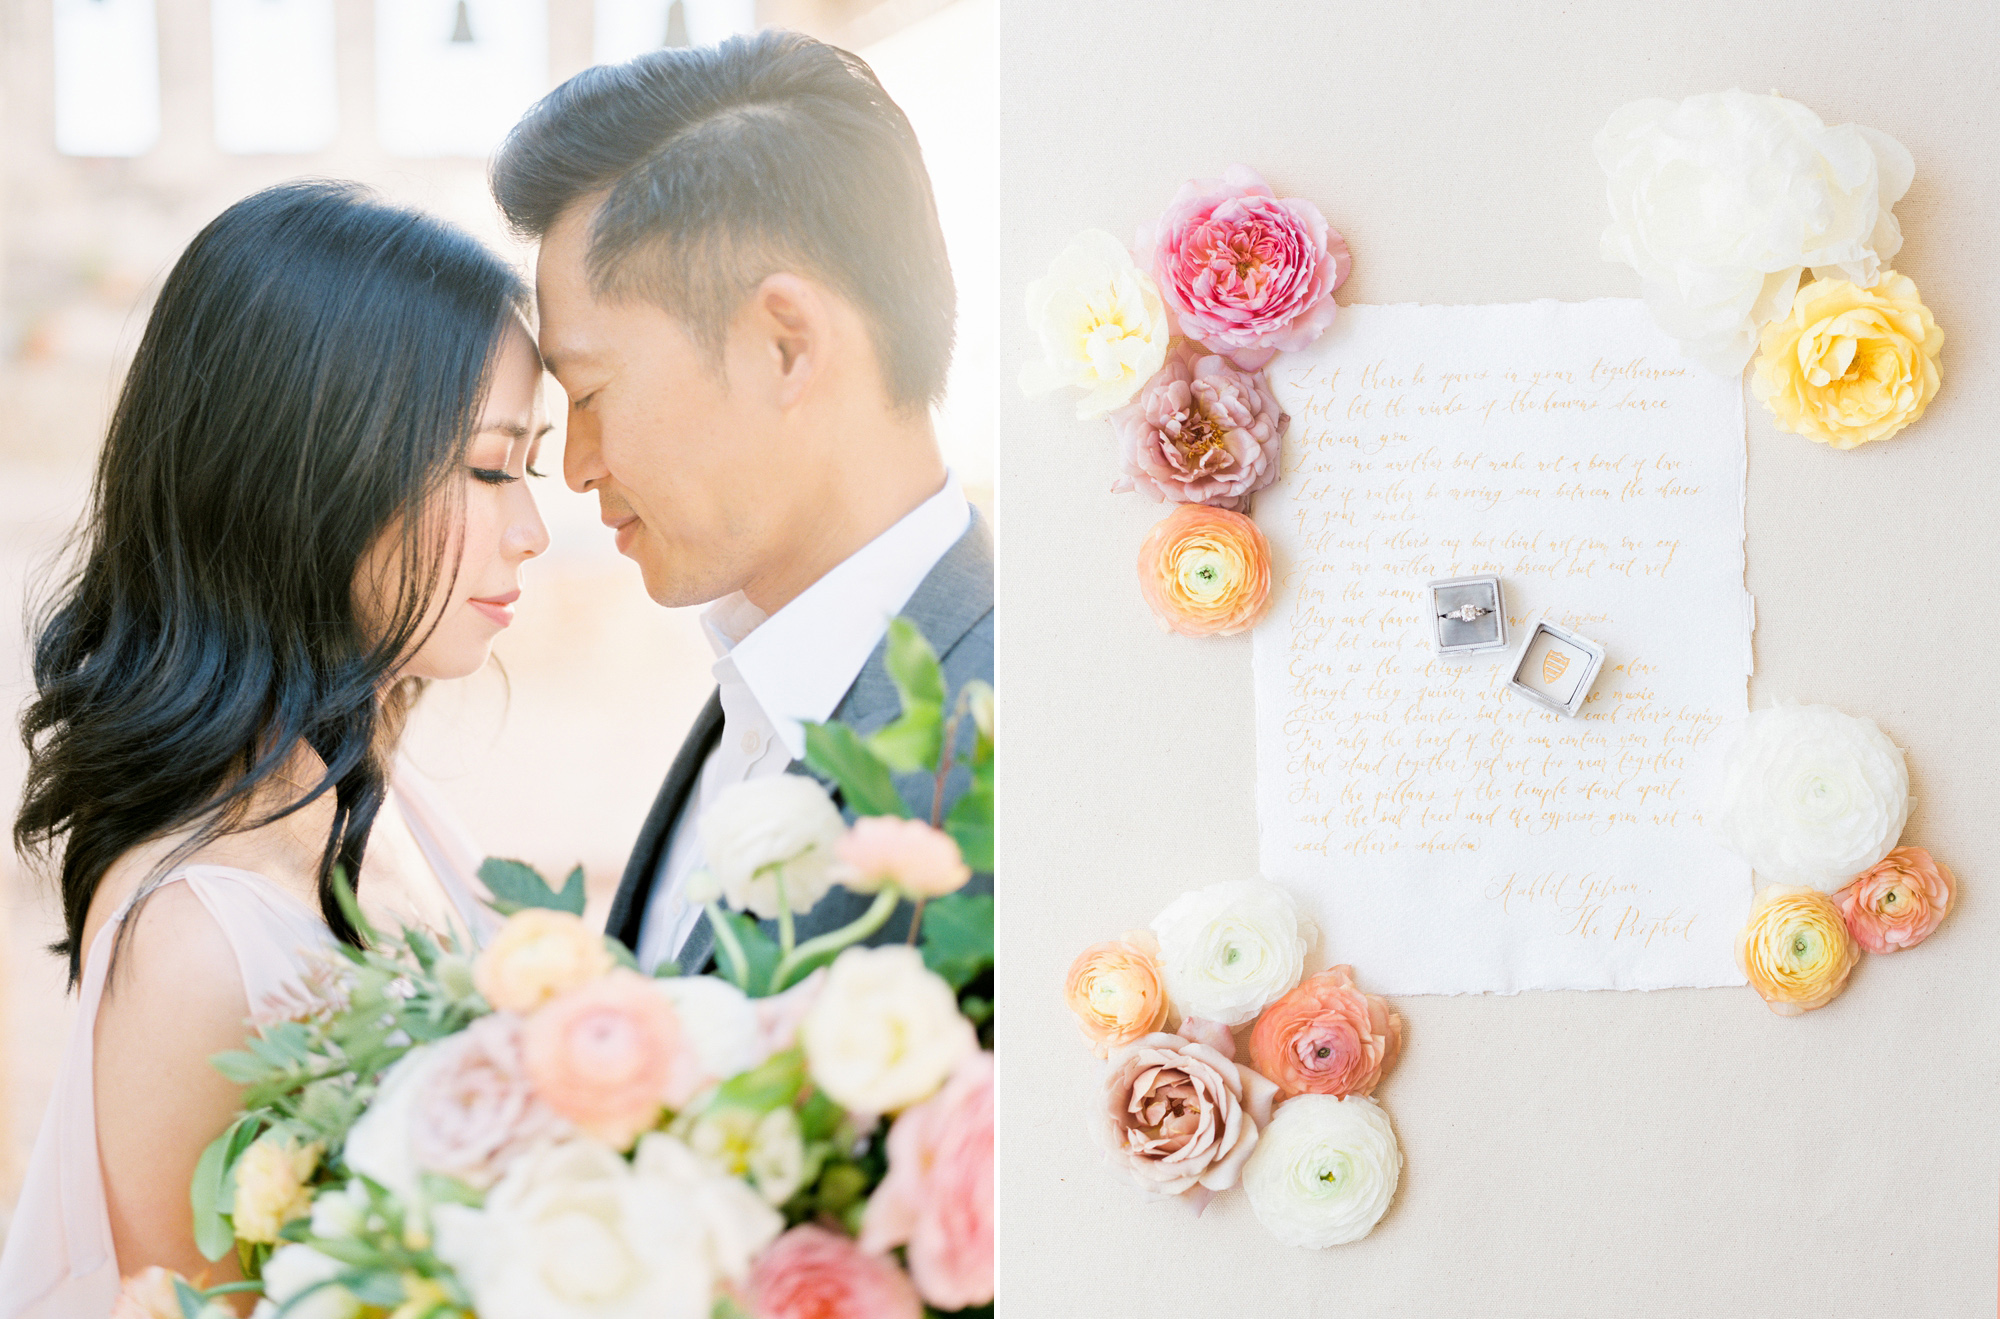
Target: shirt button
750,741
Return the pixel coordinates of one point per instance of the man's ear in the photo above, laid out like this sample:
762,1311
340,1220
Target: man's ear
789,316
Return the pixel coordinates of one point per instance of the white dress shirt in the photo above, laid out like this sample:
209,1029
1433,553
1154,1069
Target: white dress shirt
776,671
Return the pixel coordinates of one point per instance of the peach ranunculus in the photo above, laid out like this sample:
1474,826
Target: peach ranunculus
811,1273
1180,1114
1114,988
1205,571
605,1055
1795,949
885,849
538,954
938,1194
148,1294
1850,365
477,1109
1898,902
1326,1037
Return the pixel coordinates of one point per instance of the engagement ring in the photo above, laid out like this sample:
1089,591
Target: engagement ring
1465,613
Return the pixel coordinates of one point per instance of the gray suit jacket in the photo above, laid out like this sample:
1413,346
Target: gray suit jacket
953,607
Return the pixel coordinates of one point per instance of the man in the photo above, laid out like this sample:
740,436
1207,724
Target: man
745,294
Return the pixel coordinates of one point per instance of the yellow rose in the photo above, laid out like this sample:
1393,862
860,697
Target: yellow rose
537,955
1796,949
271,1186
1849,365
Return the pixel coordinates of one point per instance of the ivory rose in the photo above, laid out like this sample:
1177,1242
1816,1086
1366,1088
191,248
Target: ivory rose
474,1110
605,1056
1114,989
811,1273
1896,903
885,1032
1848,365
1205,571
938,1194
1200,432
1246,274
1325,1171
1231,948
884,849
1179,1113
271,1185
1327,1037
771,834
538,954
1102,325
1795,949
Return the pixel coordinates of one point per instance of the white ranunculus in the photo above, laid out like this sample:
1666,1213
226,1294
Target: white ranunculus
782,825
1229,950
293,1269
378,1146
1720,201
1102,325
885,1032
1324,1170
1808,795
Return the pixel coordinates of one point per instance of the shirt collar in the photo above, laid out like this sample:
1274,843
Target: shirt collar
799,662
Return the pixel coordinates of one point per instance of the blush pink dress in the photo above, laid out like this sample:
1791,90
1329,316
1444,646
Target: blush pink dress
59,1262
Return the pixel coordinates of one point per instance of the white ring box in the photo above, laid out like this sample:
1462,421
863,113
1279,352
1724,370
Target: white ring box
1454,637
1555,668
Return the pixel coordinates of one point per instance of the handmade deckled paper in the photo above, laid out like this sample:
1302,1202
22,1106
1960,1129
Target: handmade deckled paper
1449,837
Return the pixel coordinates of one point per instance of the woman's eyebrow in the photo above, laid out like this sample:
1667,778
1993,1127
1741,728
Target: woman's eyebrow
516,431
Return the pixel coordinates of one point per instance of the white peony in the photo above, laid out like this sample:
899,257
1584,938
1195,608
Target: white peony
762,829
574,1232
1102,325
1229,950
294,1270
1324,1170
885,1032
1811,796
1720,201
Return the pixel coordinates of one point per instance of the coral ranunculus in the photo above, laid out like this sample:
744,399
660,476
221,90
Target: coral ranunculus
811,1273
1200,432
1114,988
1795,949
1897,903
1247,274
1850,365
1205,571
885,849
1327,1037
604,1055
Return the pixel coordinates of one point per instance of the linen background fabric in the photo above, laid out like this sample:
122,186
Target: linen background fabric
1636,1155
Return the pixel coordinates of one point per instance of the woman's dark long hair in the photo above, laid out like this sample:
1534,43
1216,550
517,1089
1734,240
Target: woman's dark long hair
307,382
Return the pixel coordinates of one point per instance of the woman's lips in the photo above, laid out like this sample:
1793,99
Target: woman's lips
498,608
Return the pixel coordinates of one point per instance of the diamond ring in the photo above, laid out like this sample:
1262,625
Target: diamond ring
1465,613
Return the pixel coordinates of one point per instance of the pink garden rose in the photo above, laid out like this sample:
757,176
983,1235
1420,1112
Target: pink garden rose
1897,902
1179,1114
938,1194
606,1055
811,1273
1200,432
1248,275
1326,1037
477,1109
922,861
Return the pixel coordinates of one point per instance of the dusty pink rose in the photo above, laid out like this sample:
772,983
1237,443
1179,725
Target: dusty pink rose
1245,273
811,1273
1326,1037
884,849
1898,902
605,1055
478,1109
1200,432
938,1194
1179,1114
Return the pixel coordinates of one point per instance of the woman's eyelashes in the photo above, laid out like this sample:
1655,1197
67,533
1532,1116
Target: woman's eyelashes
495,475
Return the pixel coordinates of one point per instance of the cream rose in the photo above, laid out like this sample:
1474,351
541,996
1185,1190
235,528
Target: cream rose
1811,796
1325,1170
885,1032
1101,321
763,831
293,1270
539,954
271,1185
1848,365
1229,950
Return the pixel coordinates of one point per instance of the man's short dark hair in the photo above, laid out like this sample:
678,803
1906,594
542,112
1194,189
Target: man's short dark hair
722,165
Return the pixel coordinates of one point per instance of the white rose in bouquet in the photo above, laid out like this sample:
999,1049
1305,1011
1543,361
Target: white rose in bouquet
718,1022
1720,201
1811,796
760,831
734,1222
1229,950
378,1145
885,1032
1324,1170
293,1270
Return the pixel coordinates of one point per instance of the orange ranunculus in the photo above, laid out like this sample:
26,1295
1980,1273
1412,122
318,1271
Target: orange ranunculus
1897,902
606,1055
1205,571
1115,991
1326,1037
1795,949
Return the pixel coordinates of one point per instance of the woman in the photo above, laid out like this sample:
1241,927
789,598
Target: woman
309,502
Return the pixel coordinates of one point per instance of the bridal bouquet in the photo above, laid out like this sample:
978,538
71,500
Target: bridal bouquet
539,1131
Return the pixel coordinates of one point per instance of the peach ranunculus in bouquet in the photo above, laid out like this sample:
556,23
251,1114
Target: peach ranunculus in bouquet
535,1130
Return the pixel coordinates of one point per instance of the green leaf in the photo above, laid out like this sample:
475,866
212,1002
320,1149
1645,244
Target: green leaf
958,936
240,1067
667,970
191,1301
913,665
970,824
350,906
213,1235
772,1084
836,751
914,742
760,950
516,886
621,954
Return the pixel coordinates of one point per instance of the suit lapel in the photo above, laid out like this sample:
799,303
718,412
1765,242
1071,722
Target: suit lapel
628,909
951,599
